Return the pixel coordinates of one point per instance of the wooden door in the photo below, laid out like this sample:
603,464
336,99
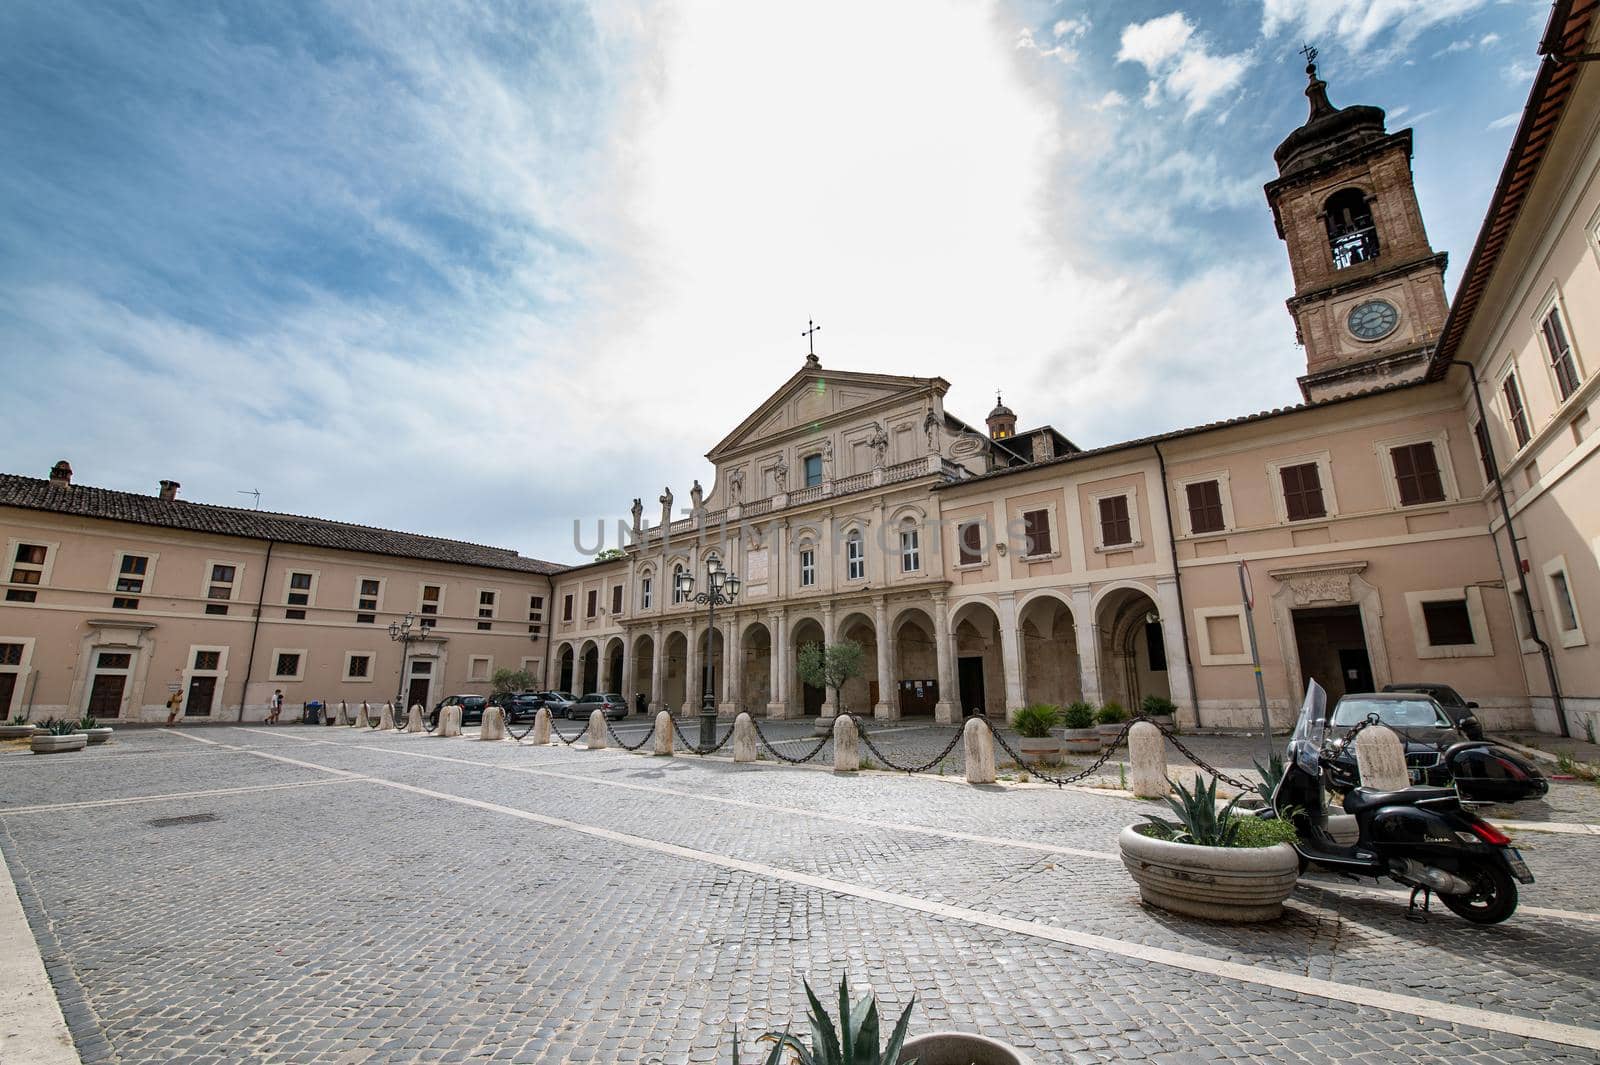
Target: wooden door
201,691
105,698
970,675
418,695
8,688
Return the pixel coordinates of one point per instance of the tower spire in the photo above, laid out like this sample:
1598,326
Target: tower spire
1317,90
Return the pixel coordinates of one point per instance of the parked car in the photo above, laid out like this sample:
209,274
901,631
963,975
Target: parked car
1455,707
518,706
471,707
615,706
558,703
1438,753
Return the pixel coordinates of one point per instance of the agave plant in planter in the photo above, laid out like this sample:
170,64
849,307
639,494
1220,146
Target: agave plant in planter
18,728
58,736
1211,863
1034,724
1078,734
91,728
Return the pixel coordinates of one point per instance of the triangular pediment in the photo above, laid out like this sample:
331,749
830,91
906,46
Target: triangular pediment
820,396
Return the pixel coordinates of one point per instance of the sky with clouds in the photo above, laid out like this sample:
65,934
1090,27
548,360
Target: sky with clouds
480,268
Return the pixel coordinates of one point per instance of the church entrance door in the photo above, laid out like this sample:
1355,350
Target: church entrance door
970,674
1333,649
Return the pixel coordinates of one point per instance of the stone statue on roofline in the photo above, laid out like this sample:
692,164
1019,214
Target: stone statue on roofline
696,497
638,515
666,507
879,443
736,486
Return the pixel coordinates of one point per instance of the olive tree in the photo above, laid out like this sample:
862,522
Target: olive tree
831,666
506,681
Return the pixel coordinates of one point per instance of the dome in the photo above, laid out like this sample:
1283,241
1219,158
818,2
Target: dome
1328,131
1000,409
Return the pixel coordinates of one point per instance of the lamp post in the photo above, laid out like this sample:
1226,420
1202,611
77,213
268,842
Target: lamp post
400,632
722,588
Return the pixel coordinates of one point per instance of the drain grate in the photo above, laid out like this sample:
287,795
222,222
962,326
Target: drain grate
186,819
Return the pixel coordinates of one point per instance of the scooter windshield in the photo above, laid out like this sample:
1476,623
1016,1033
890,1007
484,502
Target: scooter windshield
1305,745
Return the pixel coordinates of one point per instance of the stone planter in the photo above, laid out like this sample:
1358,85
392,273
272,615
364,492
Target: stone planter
1039,749
16,732
1108,733
44,743
1237,884
1164,720
98,734
1080,740
961,1048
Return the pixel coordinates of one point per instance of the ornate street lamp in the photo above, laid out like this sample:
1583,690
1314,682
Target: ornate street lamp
722,588
400,632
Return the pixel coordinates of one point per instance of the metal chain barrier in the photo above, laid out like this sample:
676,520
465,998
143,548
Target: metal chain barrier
557,733
696,748
512,732
1034,770
791,759
1172,737
886,760
648,736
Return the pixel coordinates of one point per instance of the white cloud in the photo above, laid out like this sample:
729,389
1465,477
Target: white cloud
1154,42
1386,26
1488,40
1452,48
1505,120
1180,65
1110,101
1071,28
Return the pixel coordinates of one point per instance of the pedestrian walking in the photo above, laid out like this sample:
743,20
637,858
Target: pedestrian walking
275,707
640,704
174,707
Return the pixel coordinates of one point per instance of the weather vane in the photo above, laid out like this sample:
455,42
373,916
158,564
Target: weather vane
811,347
1310,52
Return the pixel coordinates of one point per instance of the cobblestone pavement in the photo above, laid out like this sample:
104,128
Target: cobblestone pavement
317,895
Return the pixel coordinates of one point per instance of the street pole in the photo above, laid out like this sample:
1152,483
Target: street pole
1255,656
708,698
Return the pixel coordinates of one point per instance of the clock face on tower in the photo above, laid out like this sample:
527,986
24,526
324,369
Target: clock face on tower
1374,319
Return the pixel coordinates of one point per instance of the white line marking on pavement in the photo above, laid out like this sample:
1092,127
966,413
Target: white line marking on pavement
131,799
1412,1005
32,1029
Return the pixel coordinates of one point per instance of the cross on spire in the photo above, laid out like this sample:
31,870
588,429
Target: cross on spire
1310,52
809,334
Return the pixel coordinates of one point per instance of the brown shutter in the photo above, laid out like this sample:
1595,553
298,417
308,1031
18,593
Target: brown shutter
1036,531
1416,471
1302,492
1205,506
1115,529
971,544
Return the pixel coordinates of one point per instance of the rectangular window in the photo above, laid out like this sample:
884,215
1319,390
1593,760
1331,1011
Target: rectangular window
808,568
1302,492
21,595
644,593
1416,474
1516,413
10,655
1522,612
288,665
432,595
367,601
593,603
535,614
1566,612
1448,622
208,660
971,544
1036,530
130,579
1205,506
566,608
359,667
855,557
1480,433
219,587
486,609
616,599
1560,351
813,470
1115,527
28,566
299,596
910,553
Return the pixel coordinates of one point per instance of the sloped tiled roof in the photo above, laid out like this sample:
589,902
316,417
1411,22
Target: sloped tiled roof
33,493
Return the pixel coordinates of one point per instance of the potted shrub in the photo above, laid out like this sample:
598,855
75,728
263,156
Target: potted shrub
1217,865
1033,724
1078,735
58,736
1160,709
1109,721
18,728
854,1040
91,728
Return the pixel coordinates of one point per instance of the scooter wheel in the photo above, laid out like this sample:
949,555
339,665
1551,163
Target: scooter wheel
1493,898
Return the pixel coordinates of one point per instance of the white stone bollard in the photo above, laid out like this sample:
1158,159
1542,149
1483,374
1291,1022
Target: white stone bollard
663,745
386,719
977,747
541,727
846,745
414,719
596,740
1381,759
744,739
363,718
449,722
1147,750
494,724
327,715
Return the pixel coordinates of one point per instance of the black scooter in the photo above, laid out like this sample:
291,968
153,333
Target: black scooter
1420,837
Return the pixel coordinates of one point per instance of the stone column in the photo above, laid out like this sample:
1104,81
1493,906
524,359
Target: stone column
626,688
658,671
888,705
1180,677
777,554
732,670
778,694
1088,638
692,673
1010,657
947,711
828,709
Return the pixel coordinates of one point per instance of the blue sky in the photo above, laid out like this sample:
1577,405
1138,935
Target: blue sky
480,269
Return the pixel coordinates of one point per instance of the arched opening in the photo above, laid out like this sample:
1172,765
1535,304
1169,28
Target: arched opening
564,670
674,671
860,693
644,654
810,698
1133,653
1352,235
916,663
755,649
1050,667
614,667
980,664
712,639
589,680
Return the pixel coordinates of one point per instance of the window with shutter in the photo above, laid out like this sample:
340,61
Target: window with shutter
972,543
1480,433
1560,351
1515,411
1416,474
1036,532
1302,492
1205,506
1115,528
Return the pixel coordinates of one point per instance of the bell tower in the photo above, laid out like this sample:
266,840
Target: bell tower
1369,296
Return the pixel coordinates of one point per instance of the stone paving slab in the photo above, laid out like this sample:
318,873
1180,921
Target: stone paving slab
384,926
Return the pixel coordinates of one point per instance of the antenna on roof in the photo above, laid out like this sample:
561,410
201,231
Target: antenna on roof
256,492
